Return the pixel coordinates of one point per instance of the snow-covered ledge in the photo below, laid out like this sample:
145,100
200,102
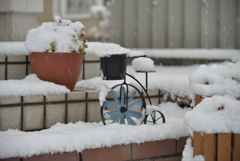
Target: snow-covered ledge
215,54
33,104
80,136
15,64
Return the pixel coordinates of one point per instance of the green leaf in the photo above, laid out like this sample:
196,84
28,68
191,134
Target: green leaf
52,47
85,45
81,50
81,36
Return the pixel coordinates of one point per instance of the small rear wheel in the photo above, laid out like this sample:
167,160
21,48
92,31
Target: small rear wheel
155,117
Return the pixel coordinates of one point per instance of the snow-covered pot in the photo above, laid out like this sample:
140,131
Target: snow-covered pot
217,79
214,128
60,68
56,51
114,67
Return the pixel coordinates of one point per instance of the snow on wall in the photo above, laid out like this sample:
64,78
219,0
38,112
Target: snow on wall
30,85
79,136
173,84
217,79
218,114
188,153
13,48
105,49
97,48
218,54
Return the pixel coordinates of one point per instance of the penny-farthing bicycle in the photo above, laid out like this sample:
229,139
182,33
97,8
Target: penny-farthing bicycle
125,103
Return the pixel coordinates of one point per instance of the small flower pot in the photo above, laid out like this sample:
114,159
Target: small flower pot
182,102
114,67
60,68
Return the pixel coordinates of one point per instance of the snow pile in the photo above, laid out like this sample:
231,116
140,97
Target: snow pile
218,114
103,93
13,48
96,83
176,85
172,112
174,81
107,49
31,85
218,54
188,153
143,65
169,79
92,83
79,136
96,48
59,36
217,79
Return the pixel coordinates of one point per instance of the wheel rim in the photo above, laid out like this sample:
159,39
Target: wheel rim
122,109
156,117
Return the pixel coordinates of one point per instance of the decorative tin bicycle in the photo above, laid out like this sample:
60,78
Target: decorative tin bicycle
114,110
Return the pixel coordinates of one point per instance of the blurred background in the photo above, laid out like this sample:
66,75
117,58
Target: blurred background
132,23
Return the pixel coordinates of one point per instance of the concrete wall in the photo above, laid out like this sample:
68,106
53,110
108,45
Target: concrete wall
176,23
47,14
17,17
14,26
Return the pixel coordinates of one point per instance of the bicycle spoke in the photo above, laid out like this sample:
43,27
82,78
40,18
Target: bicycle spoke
151,116
159,118
108,115
150,121
117,118
110,105
122,94
122,121
130,120
131,97
135,114
115,97
135,104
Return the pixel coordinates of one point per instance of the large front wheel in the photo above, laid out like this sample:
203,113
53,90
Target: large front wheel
125,110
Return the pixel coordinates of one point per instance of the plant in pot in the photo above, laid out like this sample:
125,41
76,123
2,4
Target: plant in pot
56,51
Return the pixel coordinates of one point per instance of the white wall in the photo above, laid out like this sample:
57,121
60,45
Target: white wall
17,17
176,23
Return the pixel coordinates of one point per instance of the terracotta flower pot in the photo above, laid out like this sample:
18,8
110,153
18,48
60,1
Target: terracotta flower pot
60,68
